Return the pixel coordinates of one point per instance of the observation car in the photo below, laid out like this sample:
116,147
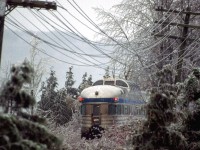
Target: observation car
110,102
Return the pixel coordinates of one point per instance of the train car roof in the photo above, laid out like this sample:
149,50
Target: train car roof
132,86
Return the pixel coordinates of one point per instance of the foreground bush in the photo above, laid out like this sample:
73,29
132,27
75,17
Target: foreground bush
20,130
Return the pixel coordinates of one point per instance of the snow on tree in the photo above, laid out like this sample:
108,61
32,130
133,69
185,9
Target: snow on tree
86,82
5,72
126,26
83,84
63,108
39,70
56,105
48,93
69,79
48,96
107,72
89,80
70,82
38,67
141,46
156,132
191,124
19,130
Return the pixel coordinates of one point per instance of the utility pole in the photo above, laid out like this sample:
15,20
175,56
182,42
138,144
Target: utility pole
9,5
2,16
183,39
178,78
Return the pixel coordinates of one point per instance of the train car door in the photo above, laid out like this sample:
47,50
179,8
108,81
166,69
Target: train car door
96,114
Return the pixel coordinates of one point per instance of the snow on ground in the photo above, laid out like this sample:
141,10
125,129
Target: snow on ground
113,138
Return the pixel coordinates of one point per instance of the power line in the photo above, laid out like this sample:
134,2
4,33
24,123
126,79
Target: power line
51,46
84,58
47,42
85,39
135,50
42,51
33,4
74,45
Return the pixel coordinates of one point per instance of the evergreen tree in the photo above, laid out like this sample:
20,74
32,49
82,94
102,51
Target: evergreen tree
89,80
48,93
191,124
156,133
19,130
62,108
69,79
70,82
55,105
83,83
86,82
107,73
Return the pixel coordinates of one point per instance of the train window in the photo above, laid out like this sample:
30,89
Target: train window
125,109
112,109
136,110
122,109
96,110
118,111
99,82
129,109
83,109
109,83
121,83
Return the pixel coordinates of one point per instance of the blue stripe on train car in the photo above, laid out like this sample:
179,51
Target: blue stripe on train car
111,100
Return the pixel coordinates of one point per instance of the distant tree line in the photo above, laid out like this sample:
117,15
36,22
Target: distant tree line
58,105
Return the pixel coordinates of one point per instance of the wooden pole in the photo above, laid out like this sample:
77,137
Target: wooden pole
178,78
23,3
2,17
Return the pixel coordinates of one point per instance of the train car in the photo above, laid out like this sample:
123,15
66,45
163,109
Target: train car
110,102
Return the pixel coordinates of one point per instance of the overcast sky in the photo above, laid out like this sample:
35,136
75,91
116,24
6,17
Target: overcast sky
87,6
22,14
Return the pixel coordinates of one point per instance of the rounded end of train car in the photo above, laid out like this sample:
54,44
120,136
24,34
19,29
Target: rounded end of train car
101,91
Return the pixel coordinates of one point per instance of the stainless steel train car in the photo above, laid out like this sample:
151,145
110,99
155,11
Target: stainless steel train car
110,102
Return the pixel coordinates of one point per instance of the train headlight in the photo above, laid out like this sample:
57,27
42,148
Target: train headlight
115,99
80,99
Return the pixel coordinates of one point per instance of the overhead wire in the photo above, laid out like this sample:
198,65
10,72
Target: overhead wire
167,55
185,53
186,50
124,47
53,48
92,22
47,53
158,21
141,48
77,32
110,57
69,42
47,42
94,42
85,39
25,29
160,41
43,18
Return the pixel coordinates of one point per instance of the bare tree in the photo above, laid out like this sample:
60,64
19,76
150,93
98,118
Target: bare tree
38,65
126,26
148,34
5,72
